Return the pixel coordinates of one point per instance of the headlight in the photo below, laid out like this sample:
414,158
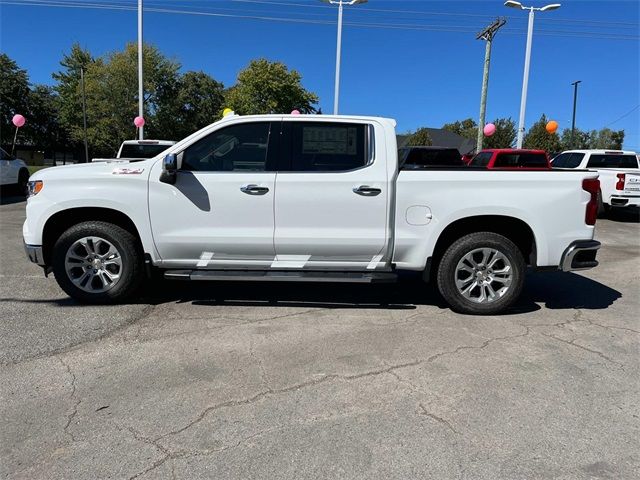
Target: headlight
34,187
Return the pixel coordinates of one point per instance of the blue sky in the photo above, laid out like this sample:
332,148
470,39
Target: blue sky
424,71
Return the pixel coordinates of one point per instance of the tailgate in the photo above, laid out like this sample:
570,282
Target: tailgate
632,184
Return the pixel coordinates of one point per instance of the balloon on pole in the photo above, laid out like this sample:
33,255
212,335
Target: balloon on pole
18,121
295,112
138,122
552,126
227,111
489,129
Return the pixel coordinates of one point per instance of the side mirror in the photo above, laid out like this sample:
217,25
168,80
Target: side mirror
169,169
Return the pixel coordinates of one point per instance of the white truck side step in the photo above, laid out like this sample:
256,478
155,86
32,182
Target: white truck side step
281,276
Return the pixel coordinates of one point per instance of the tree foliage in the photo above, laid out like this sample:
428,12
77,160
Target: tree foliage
14,92
466,128
269,87
538,138
504,136
420,138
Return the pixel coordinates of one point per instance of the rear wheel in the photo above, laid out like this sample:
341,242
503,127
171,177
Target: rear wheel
481,273
97,262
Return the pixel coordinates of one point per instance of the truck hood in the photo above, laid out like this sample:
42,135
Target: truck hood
95,169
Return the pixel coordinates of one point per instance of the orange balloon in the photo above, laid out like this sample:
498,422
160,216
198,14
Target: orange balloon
552,126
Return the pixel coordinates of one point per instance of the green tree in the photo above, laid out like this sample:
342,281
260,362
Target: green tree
43,128
193,101
538,138
466,128
607,139
420,138
580,139
269,87
504,136
14,92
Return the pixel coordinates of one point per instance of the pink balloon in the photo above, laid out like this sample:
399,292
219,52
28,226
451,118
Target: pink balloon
138,122
295,112
18,120
489,129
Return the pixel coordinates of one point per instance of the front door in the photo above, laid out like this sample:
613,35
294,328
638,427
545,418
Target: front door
219,213
331,203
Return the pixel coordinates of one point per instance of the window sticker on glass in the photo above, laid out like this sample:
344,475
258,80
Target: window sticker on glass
329,140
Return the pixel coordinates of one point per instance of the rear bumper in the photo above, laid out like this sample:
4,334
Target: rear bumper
34,252
580,255
625,201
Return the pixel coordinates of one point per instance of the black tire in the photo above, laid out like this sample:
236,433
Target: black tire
23,180
132,268
448,274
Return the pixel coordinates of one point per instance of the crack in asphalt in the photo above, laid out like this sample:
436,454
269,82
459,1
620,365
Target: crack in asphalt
582,347
72,415
437,418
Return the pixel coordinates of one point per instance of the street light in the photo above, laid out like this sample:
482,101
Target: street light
527,59
340,4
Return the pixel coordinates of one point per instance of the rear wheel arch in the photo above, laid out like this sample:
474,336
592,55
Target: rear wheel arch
515,229
61,221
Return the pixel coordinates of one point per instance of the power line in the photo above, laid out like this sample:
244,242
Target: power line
392,26
624,116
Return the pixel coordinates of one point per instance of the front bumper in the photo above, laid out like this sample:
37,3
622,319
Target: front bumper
34,252
580,255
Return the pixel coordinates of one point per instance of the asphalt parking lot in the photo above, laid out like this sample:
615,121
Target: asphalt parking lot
320,381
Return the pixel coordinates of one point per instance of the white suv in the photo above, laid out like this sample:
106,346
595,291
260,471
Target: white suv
13,172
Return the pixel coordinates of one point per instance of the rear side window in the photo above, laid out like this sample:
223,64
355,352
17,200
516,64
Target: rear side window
481,160
521,160
237,148
433,158
612,161
568,160
327,147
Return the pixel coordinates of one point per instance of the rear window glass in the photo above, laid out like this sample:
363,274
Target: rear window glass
612,161
521,160
141,151
431,157
568,160
481,159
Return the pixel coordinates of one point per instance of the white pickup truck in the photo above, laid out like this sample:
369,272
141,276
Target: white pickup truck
306,198
618,170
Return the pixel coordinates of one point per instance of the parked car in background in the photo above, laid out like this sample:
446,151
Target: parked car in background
511,159
619,174
429,157
14,173
308,198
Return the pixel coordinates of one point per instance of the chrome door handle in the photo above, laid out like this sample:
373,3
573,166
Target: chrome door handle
253,189
367,191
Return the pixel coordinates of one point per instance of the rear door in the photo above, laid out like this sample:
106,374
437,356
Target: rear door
331,203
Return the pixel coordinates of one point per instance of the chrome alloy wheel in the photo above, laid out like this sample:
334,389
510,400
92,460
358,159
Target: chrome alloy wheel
93,264
483,275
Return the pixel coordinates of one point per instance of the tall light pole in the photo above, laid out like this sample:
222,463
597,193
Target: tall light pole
527,59
340,4
573,120
140,82
487,35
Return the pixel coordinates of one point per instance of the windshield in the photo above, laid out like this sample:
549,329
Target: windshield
141,151
5,156
612,161
481,159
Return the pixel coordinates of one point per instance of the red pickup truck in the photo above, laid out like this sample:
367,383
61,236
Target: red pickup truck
511,159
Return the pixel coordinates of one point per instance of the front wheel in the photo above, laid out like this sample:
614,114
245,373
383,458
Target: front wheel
97,262
481,274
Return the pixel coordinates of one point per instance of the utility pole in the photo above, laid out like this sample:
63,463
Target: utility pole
140,83
84,116
573,121
487,34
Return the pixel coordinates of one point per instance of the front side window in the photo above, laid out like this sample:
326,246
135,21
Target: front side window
612,161
481,160
237,148
327,147
568,160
